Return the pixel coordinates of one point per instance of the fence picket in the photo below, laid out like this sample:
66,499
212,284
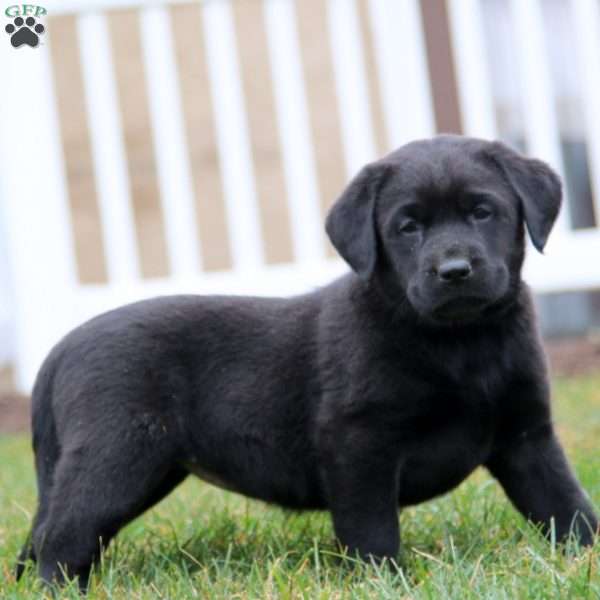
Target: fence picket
403,75
170,144
294,131
472,72
232,136
541,123
586,15
351,85
34,197
108,149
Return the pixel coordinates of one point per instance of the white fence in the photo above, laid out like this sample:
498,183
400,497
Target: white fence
46,297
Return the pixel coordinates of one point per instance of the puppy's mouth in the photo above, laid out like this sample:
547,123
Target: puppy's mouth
460,309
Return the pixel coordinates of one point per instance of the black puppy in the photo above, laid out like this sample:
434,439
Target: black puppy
385,388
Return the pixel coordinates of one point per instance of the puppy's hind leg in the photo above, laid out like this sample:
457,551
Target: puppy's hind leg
47,453
98,488
27,552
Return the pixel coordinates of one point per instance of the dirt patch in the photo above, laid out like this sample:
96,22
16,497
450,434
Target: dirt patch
14,407
568,357
574,356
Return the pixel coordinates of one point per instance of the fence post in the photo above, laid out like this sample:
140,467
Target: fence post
33,193
7,342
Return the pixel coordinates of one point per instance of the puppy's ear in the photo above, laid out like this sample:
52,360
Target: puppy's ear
538,188
350,223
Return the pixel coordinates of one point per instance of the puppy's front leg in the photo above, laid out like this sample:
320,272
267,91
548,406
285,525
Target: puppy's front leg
536,476
363,499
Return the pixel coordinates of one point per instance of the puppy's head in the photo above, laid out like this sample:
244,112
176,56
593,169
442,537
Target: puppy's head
440,222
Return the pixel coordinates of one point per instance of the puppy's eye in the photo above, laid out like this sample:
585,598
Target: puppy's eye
409,226
481,213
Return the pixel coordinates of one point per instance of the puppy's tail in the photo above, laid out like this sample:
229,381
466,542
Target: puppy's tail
47,452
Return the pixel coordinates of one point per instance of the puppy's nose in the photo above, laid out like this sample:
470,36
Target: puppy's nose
454,269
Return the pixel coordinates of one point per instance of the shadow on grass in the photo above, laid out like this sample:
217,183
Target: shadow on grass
292,542
236,546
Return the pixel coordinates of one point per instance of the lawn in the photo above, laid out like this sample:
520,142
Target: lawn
205,543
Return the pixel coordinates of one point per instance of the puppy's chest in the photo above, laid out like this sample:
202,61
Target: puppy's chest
452,413
434,403
442,444
464,394
472,370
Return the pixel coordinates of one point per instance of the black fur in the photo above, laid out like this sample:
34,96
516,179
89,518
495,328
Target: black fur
383,389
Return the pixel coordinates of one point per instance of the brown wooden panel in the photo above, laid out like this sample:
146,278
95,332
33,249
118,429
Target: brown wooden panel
382,145
323,108
441,66
322,102
85,217
262,119
200,131
133,103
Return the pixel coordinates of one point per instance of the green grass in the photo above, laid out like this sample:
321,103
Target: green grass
205,543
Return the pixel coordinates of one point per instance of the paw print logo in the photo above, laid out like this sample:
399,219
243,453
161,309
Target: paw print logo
24,31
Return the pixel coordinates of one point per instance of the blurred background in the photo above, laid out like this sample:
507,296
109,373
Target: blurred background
164,147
